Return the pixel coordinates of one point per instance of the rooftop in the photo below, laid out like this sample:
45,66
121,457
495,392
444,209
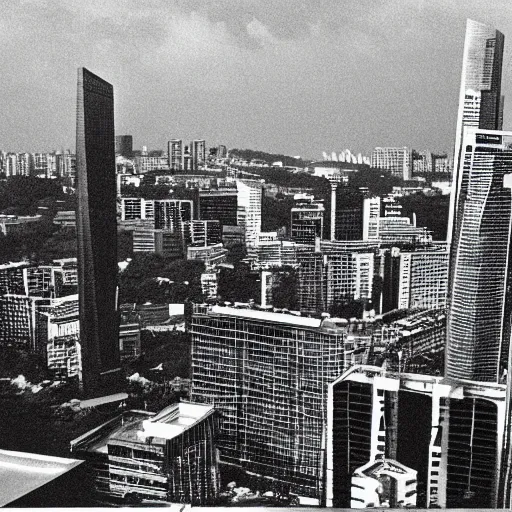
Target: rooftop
282,318
135,427
21,473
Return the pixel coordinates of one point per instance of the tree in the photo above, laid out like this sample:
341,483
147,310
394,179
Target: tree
181,280
238,284
21,193
431,212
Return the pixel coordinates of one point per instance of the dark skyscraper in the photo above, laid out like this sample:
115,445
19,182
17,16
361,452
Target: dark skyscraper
124,145
97,230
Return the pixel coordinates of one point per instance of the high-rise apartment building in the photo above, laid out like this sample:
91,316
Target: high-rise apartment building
480,301
198,153
423,280
97,230
175,154
267,373
395,160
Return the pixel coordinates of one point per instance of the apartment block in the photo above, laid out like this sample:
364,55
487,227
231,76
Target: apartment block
267,373
423,279
395,160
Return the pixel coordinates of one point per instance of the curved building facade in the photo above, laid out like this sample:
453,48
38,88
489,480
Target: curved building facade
479,304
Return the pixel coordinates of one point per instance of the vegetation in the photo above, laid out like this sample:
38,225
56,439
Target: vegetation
27,242
238,284
19,195
284,288
173,349
275,213
138,282
147,191
431,211
269,158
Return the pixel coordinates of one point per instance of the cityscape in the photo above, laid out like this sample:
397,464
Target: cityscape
200,325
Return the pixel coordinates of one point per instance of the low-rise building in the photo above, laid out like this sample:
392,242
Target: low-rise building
168,457
211,255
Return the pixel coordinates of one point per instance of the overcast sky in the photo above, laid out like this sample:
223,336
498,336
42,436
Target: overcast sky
284,76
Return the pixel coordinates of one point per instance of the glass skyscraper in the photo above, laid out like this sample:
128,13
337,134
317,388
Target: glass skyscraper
480,100
479,304
478,226
97,230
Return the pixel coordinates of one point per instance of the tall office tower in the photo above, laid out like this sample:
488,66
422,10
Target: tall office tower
334,180
97,231
307,220
480,100
480,302
198,153
395,160
172,213
311,283
219,203
175,154
267,373
124,145
349,215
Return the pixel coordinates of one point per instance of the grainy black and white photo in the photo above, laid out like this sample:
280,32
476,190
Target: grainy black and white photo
256,254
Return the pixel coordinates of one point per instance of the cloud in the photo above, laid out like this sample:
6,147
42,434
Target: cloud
290,76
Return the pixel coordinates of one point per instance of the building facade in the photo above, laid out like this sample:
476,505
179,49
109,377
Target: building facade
395,160
97,230
449,433
267,373
307,220
169,457
479,300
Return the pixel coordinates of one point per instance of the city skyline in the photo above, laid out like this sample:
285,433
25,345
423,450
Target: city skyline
354,85
205,329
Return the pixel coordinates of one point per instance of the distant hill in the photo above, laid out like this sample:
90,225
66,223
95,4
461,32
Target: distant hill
269,158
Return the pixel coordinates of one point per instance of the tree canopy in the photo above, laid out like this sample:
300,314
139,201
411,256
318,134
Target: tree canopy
138,283
21,194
